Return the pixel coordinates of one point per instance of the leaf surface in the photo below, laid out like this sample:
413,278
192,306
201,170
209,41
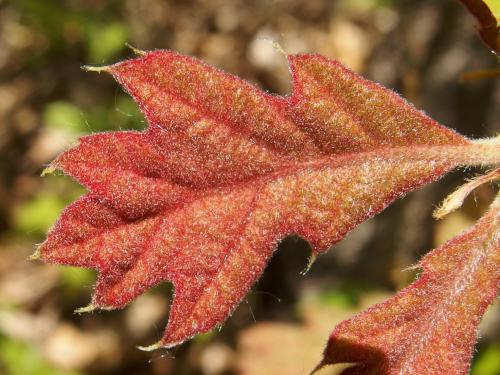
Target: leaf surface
224,171
430,327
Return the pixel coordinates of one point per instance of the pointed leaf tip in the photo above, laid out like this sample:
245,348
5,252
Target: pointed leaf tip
455,200
93,307
86,309
135,50
36,255
152,347
48,170
310,263
97,69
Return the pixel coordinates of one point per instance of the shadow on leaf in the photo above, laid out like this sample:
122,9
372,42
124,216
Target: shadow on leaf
364,359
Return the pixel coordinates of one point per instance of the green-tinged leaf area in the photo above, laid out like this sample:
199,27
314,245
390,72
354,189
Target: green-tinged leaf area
17,358
488,361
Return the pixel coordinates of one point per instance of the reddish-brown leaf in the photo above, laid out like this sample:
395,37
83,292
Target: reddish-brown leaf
487,13
429,327
224,171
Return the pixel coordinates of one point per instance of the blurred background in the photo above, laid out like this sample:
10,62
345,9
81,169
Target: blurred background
419,48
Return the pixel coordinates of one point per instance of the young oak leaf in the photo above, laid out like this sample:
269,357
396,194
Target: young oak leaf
429,327
224,171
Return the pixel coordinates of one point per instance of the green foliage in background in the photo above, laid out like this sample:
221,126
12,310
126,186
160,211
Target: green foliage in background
76,284
488,361
66,117
101,33
346,295
36,215
17,358
105,40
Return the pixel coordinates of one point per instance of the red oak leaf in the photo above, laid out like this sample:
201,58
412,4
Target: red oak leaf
430,327
224,171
